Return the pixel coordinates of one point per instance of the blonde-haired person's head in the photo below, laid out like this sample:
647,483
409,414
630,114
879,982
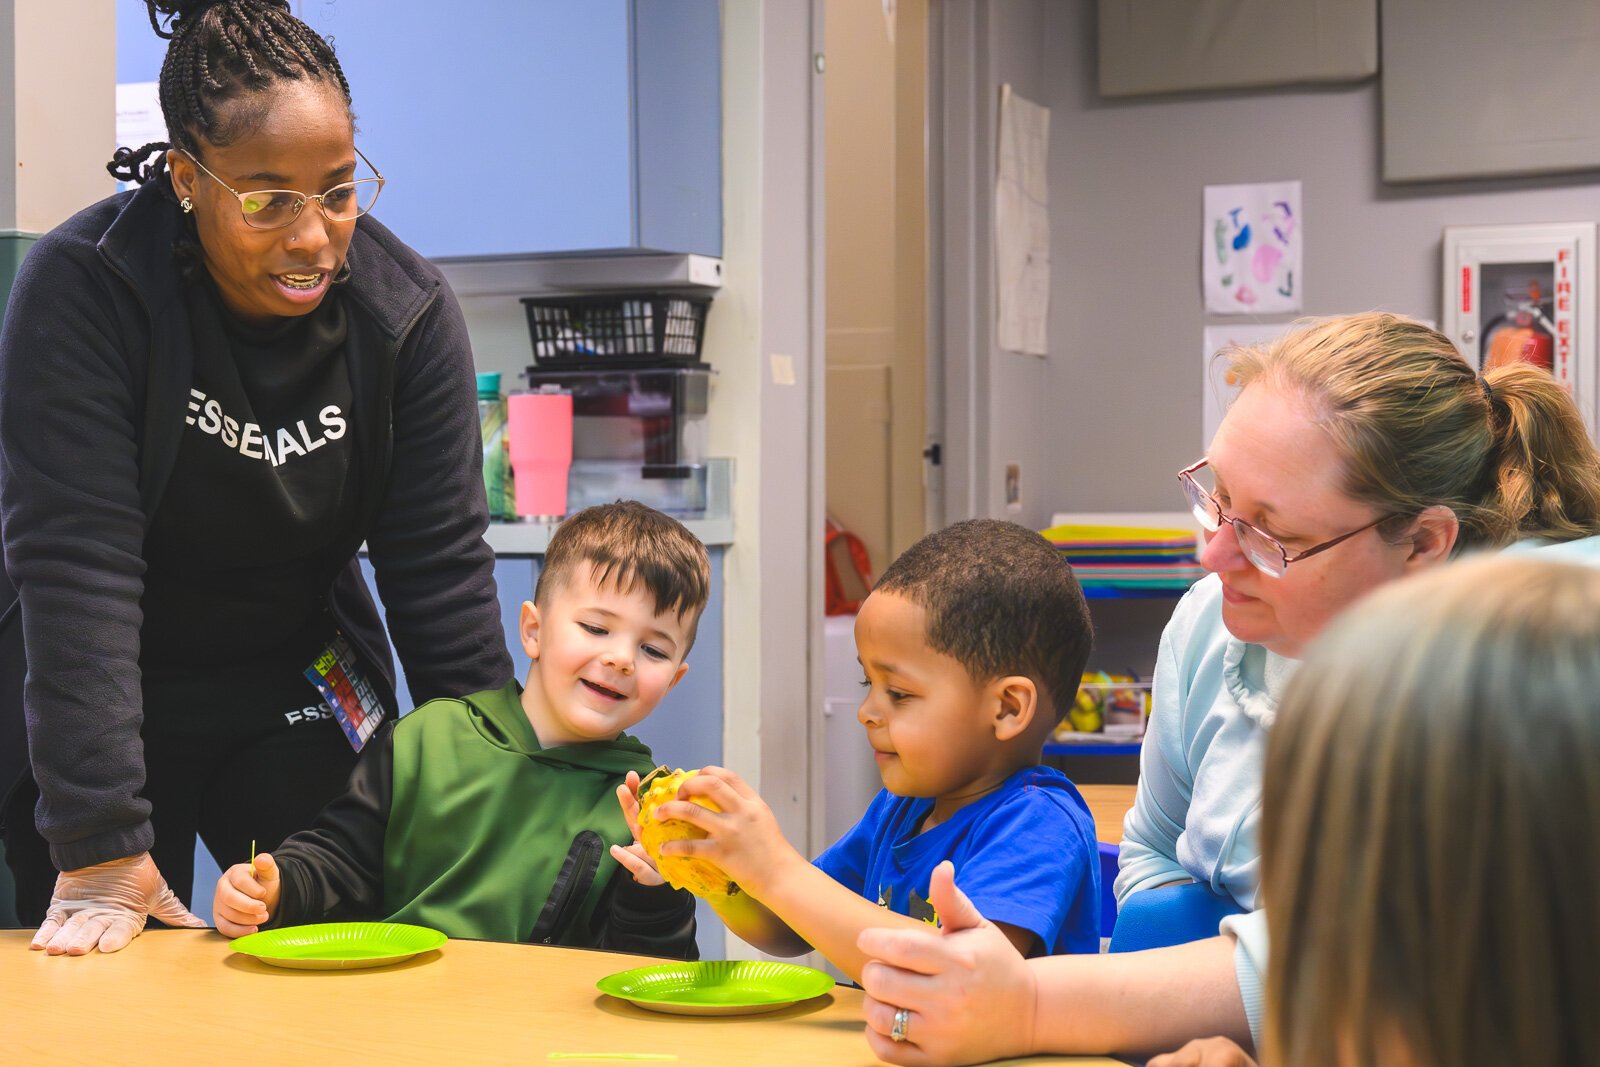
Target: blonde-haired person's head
1431,826
1416,427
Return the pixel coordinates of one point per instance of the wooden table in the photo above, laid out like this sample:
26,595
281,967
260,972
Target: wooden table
1108,804
182,996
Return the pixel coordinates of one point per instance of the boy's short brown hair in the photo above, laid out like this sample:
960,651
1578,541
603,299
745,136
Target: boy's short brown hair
631,545
1000,601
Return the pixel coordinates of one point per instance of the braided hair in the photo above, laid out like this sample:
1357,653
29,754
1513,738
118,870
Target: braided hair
221,51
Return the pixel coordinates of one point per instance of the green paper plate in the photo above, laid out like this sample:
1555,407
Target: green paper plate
339,946
717,987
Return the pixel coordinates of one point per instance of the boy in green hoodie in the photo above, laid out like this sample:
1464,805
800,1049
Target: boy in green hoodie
492,816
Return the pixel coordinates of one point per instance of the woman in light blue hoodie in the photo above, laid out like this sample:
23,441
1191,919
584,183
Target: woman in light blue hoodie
1360,449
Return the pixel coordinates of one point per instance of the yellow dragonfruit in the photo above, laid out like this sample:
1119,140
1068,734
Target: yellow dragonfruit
700,877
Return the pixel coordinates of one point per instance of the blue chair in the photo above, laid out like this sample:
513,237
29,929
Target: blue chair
1170,915
1108,897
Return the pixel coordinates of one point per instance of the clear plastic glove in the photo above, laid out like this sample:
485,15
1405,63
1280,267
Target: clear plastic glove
106,906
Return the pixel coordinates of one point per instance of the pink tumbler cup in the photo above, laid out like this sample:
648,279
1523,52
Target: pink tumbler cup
539,426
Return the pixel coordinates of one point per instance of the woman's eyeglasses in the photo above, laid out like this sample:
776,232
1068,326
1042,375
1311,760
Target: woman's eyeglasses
1265,552
273,209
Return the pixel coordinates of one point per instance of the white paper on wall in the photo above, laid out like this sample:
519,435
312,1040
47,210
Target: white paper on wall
1250,248
1022,225
1217,390
139,118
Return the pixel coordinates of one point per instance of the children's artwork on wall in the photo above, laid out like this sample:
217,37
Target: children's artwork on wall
1250,248
1525,294
1217,388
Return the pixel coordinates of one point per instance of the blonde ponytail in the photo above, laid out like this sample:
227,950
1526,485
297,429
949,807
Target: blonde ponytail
1546,468
1417,427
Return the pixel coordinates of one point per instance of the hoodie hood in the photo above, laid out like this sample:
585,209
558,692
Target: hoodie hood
499,718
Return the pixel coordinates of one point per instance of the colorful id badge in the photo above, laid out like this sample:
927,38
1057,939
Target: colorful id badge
339,678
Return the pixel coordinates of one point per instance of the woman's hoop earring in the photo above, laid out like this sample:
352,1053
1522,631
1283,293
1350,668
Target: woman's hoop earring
186,204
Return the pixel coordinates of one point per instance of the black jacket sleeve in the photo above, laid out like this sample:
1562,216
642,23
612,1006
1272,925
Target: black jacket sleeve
334,870
435,571
646,920
73,527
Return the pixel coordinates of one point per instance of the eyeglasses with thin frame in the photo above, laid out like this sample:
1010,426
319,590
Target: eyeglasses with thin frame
273,209
1265,552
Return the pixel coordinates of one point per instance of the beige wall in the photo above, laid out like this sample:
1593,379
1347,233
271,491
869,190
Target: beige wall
875,270
57,109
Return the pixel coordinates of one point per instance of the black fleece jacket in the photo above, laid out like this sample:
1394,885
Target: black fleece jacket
96,360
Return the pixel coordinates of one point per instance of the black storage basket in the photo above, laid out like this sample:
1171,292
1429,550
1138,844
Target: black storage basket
625,329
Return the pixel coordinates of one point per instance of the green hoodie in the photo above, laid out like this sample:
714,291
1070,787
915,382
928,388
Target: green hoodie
485,826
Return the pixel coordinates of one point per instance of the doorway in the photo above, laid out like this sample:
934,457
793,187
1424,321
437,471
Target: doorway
876,242
875,260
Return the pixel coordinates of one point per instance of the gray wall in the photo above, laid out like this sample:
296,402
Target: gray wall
1107,420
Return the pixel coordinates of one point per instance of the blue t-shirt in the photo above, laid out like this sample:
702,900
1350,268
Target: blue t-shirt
1025,855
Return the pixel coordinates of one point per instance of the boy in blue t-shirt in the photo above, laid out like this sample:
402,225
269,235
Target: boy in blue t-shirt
973,643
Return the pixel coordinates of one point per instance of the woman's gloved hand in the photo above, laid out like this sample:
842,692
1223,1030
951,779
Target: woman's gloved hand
106,906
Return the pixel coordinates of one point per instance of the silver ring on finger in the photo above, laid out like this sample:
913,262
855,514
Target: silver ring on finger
902,1021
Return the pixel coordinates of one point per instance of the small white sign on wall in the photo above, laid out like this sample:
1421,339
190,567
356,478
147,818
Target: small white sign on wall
139,120
1022,226
1217,388
1251,244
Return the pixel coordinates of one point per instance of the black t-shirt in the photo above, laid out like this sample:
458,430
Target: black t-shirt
245,542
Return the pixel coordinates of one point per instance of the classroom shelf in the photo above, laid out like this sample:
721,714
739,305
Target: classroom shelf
1119,592
1091,748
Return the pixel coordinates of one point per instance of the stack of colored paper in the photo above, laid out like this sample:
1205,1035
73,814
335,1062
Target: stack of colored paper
1128,560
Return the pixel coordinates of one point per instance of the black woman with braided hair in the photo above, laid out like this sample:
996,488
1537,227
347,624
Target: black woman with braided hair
214,389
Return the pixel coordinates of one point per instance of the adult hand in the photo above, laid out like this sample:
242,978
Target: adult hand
743,838
247,896
633,857
968,996
106,906
1206,1052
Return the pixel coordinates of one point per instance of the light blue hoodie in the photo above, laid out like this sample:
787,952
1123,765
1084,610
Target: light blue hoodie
1198,807
1199,801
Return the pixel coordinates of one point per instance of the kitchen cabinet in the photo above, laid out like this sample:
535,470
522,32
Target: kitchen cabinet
535,127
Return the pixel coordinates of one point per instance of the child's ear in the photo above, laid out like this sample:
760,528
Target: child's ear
683,668
528,628
1015,702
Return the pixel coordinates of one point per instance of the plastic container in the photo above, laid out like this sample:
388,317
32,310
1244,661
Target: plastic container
625,329
540,427
678,490
497,477
646,416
